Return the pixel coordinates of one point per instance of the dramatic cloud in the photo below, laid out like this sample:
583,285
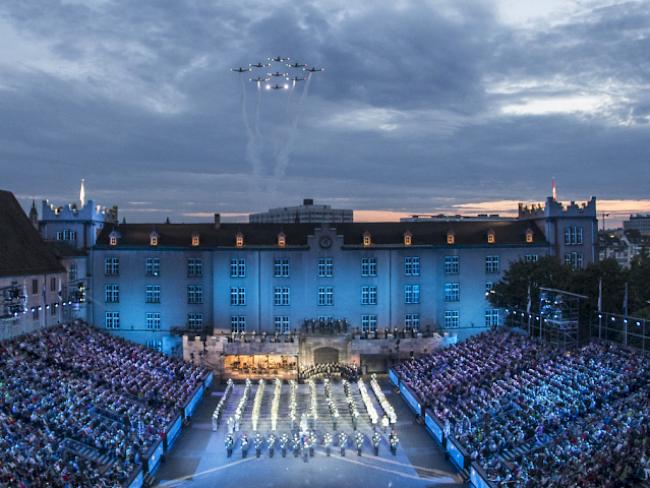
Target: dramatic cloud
424,106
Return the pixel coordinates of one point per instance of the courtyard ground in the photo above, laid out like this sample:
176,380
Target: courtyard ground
199,457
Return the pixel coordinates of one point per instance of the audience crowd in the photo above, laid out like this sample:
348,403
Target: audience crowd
535,416
82,408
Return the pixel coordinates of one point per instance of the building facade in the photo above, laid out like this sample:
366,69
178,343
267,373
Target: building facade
307,213
149,280
32,280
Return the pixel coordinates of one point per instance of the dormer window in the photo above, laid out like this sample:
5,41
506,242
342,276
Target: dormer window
451,237
196,239
367,239
282,240
153,238
491,237
529,236
112,238
239,240
408,238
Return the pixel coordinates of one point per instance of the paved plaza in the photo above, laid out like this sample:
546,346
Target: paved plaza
199,458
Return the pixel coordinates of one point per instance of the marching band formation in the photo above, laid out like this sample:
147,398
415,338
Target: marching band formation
303,439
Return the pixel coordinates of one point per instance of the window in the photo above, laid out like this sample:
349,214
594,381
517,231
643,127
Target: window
238,323
281,324
66,235
112,293
281,296
72,272
452,292
152,294
34,287
408,238
452,319
492,317
153,239
237,296
112,238
194,294
451,237
155,344
368,266
196,240
412,321
367,239
238,268
194,267
325,295
53,283
368,323
325,267
491,264
529,236
531,258
411,294
239,240
452,265
573,235
195,320
153,320
368,295
111,266
152,267
491,237
281,268
412,266
573,259
282,240
112,320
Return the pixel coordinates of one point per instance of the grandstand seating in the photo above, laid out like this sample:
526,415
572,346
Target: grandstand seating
81,408
533,415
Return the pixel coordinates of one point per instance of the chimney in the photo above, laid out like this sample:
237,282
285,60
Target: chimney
217,220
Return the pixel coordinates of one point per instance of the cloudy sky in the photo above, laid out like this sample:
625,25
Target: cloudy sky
424,106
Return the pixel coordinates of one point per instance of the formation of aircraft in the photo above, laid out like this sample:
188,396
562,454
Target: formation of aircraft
277,74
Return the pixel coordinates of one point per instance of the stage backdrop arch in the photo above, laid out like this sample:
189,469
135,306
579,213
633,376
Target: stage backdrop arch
326,355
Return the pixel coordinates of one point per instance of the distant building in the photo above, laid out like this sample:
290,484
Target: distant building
452,218
638,222
32,280
622,245
307,213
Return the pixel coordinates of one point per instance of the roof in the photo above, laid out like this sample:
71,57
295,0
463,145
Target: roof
382,233
22,250
63,249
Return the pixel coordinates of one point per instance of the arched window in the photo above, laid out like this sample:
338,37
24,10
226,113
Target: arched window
451,237
153,238
282,240
196,239
367,239
491,237
408,238
239,240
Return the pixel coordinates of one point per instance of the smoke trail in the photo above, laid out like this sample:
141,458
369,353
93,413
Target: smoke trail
252,154
282,158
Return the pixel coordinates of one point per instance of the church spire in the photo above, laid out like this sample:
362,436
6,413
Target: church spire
82,193
33,214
